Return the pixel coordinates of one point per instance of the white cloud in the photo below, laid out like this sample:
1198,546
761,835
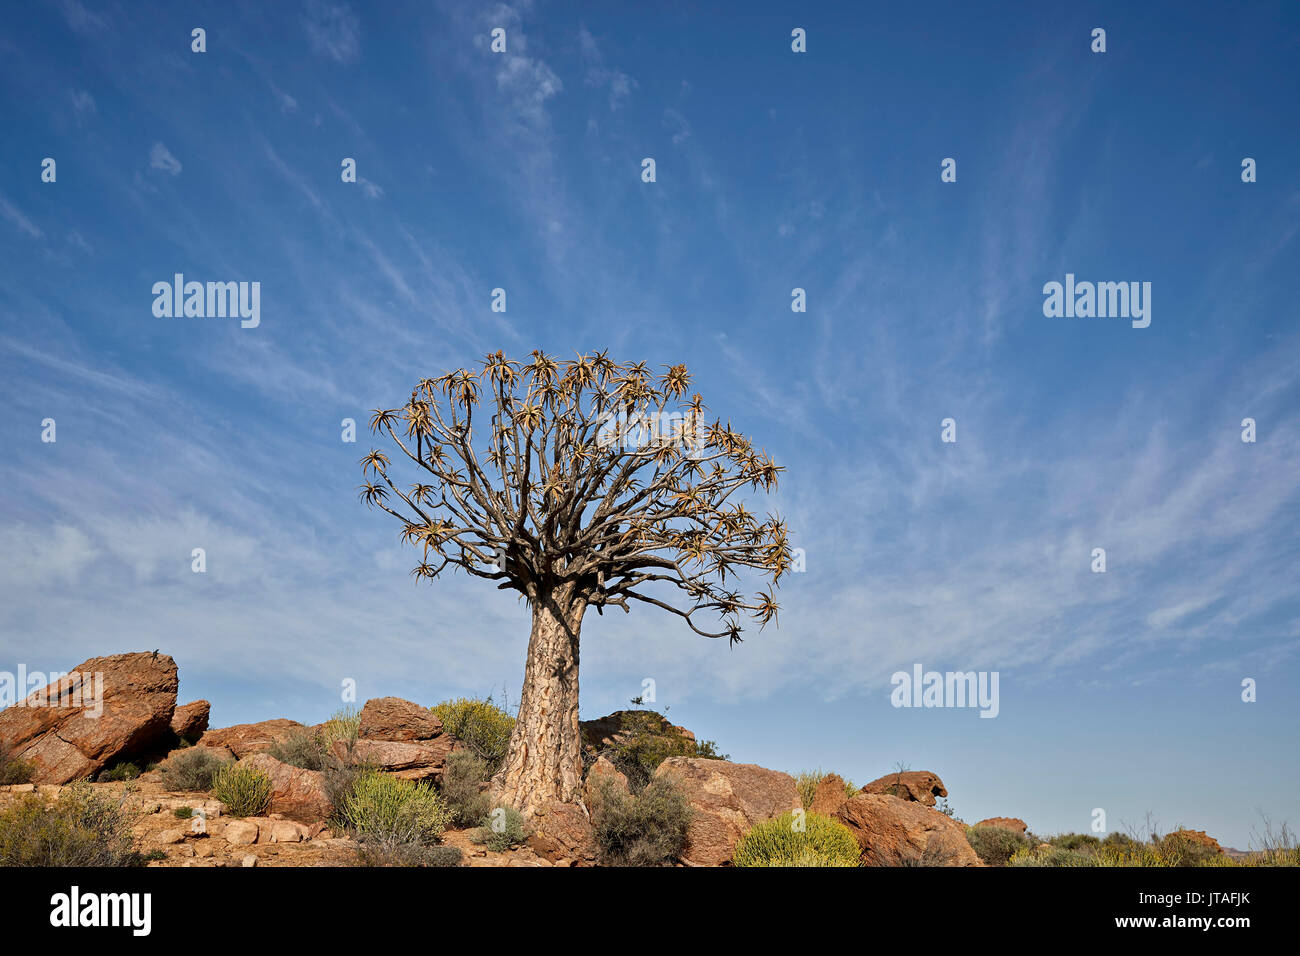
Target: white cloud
333,30
160,157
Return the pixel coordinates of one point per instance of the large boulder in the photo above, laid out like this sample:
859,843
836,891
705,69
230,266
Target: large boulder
297,793
562,833
728,798
106,710
245,739
189,721
896,832
1014,824
391,718
408,759
919,785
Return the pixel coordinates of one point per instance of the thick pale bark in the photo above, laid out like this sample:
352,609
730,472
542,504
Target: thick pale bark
544,759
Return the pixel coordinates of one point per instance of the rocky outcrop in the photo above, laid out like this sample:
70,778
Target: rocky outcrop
108,709
728,798
391,718
896,832
296,793
189,721
615,731
408,759
1013,824
562,833
919,785
245,739
1197,837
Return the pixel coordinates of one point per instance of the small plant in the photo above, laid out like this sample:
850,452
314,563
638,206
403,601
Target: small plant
183,813
996,845
641,829
384,808
396,853
190,770
781,841
300,749
245,790
81,828
482,726
344,725
500,830
462,788
13,770
1053,856
121,771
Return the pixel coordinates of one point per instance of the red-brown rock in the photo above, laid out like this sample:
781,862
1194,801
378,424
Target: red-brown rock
1013,824
562,833
245,739
408,759
296,793
919,785
391,718
189,721
831,794
894,832
122,718
728,798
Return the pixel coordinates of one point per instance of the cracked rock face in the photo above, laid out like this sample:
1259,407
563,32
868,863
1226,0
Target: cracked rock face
105,710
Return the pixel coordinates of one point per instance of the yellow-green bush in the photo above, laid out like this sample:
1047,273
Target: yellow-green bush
381,808
480,725
345,725
780,842
245,790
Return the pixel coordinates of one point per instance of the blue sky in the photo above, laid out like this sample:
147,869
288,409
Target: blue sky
775,170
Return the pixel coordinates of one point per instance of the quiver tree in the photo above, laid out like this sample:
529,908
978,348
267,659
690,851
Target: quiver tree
580,484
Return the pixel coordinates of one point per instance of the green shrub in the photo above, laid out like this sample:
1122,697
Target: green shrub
245,790
121,771
300,749
376,852
81,828
462,790
776,842
1084,842
995,845
640,829
191,769
480,725
500,830
383,808
13,770
1054,856
344,724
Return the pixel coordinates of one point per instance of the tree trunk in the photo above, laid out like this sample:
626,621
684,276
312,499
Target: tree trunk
544,759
